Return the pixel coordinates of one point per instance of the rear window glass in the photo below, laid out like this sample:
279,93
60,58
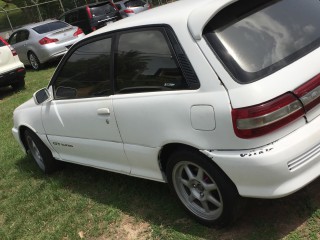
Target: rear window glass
49,27
256,38
134,3
102,10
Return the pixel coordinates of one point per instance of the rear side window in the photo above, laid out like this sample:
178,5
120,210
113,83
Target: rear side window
145,63
256,38
102,10
134,3
49,27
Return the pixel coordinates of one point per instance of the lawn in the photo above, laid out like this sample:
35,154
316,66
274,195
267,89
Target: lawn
85,203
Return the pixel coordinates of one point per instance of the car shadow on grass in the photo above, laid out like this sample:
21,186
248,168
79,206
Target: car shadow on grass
7,92
152,202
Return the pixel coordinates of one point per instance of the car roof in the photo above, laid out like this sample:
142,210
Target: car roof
196,15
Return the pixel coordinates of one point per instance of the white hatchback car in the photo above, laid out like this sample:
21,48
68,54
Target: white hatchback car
220,101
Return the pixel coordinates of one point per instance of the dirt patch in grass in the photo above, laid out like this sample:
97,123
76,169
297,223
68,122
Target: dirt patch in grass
128,228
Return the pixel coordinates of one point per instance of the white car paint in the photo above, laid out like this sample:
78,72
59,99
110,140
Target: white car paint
141,124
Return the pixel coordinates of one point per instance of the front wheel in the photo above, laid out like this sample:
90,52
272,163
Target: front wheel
202,188
40,152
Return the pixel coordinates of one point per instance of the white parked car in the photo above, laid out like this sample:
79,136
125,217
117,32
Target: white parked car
12,71
220,101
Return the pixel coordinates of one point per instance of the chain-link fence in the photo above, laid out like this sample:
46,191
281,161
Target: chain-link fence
24,12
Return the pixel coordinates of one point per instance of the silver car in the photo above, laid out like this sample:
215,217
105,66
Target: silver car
128,8
40,42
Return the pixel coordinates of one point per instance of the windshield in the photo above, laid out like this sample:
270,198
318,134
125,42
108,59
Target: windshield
49,27
134,3
264,36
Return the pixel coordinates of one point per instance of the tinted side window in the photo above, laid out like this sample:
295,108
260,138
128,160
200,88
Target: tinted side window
86,73
145,62
13,38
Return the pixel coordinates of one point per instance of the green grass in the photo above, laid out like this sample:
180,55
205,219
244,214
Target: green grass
94,204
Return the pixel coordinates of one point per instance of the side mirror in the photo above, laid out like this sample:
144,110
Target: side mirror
41,96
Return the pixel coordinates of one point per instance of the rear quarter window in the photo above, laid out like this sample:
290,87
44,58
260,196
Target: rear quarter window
256,38
49,27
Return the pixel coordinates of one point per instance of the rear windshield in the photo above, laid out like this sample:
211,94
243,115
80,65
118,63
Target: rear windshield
102,10
49,27
134,3
256,38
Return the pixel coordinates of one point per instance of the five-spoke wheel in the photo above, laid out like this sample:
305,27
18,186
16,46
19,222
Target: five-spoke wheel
202,188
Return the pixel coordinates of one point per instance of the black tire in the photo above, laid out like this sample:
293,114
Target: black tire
18,85
40,152
34,61
203,188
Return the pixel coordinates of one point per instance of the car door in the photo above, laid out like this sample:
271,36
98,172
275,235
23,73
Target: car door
79,121
19,41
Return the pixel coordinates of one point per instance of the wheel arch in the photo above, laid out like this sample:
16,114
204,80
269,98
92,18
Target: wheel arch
22,130
170,148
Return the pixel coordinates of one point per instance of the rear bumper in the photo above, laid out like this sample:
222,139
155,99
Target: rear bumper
277,169
13,76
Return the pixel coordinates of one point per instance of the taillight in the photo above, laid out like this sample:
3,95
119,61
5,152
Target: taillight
128,11
78,32
266,117
13,51
309,93
89,12
93,28
20,70
149,6
47,40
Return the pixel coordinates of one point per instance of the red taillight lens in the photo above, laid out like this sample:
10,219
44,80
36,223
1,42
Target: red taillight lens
47,40
14,52
89,12
128,11
264,118
20,70
149,6
93,28
78,32
309,93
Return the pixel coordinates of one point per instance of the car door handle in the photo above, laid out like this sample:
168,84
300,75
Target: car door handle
103,111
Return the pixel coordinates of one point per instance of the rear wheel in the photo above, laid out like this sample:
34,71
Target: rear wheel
202,188
18,85
34,61
40,152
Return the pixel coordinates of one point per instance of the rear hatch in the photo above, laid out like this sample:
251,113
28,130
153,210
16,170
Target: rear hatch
271,51
57,32
136,6
102,14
